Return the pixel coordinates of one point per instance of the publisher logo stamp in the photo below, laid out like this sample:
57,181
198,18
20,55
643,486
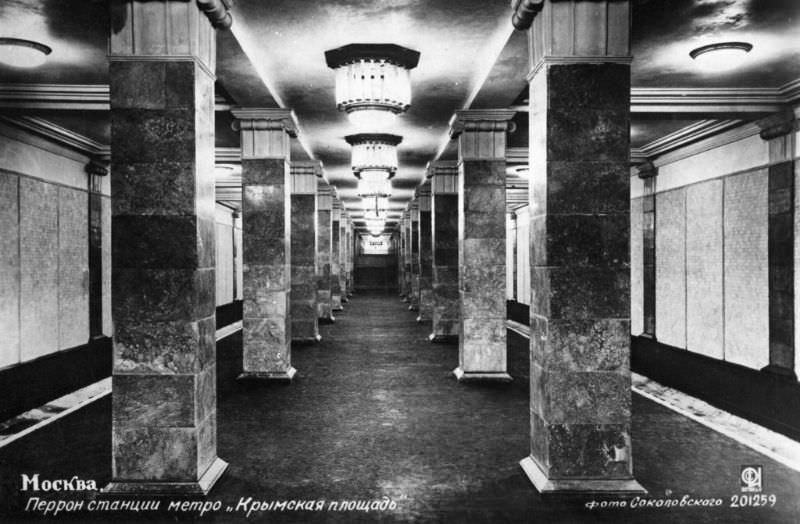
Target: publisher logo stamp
750,479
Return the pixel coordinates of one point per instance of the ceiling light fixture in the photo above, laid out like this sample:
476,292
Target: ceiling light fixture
720,56
18,52
374,162
373,82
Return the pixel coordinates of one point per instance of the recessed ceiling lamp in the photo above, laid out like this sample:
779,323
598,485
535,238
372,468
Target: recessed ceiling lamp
721,56
373,82
520,171
374,162
17,52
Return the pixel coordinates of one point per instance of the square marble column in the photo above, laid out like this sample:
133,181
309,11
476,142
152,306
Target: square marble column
401,256
481,138
580,398
336,282
164,399
343,255
444,238
303,314
425,253
414,252
349,256
407,257
266,242
324,234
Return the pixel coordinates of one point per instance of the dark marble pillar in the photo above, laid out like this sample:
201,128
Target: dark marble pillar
266,242
343,255
95,170
407,257
580,398
481,138
779,131
444,237
401,257
425,254
324,234
414,251
303,313
648,172
336,283
349,258
164,402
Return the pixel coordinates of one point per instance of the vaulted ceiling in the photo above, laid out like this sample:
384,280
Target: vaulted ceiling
470,58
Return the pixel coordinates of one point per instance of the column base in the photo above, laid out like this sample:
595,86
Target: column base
307,340
344,300
464,376
585,486
421,319
327,320
338,308
200,487
442,339
412,307
277,376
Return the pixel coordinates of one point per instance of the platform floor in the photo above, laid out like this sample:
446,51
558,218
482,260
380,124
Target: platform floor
375,412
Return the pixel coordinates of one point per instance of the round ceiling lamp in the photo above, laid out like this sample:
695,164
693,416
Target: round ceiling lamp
375,226
720,56
373,82
18,52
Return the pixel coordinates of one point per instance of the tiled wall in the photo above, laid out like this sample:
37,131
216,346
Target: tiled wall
671,267
637,261
44,252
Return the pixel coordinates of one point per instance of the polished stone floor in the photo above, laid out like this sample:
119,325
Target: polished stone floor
375,412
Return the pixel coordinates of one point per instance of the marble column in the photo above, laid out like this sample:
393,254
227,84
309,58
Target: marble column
414,252
303,312
266,241
425,253
780,131
96,171
407,257
401,257
398,255
164,402
444,237
481,136
324,234
336,283
343,255
349,244
580,398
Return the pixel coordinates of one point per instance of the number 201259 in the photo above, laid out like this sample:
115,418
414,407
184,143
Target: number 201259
753,501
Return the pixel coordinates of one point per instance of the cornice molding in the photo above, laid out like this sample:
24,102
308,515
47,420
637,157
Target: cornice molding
705,100
60,135
217,12
735,134
82,97
682,137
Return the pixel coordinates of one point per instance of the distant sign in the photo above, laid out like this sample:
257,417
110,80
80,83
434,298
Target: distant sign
371,245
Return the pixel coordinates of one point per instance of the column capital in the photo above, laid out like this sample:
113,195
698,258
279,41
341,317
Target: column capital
265,118
480,120
441,167
304,177
96,167
481,133
265,133
777,125
423,193
444,177
646,170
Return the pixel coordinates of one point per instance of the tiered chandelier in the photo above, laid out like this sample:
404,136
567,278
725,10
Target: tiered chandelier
373,86
374,162
373,82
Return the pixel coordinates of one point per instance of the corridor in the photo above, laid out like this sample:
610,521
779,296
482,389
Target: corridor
374,412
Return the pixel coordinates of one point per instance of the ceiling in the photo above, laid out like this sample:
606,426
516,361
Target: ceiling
470,58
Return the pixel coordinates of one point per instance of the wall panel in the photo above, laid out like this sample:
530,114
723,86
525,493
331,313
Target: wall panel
39,268
73,267
746,272
523,256
637,262
9,270
704,310
671,267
